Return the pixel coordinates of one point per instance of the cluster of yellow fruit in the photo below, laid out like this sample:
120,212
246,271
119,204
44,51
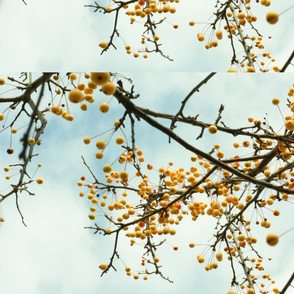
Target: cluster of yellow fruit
38,180
85,93
142,9
239,18
171,212
163,206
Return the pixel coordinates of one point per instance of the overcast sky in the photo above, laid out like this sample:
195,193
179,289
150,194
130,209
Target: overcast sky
64,35
55,254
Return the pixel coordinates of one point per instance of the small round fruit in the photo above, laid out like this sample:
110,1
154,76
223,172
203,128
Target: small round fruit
200,258
109,88
107,168
289,125
124,175
100,144
1,116
31,141
212,129
276,101
200,37
2,81
119,140
10,150
99,155
73,76
92,216
103,266
104,107
100,78
272,239
75,96
39,181
87,140
103,45
272,17
117,123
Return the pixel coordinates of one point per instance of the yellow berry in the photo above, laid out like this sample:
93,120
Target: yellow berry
103,266
75,96
272,17
212,129
275,101
87,140
92,216
103,45
39,181
109,88
107,168
100,78
272,239
100,144
289,125
104,107
124,175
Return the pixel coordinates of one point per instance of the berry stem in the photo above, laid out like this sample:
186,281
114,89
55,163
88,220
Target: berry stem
286,232
286,10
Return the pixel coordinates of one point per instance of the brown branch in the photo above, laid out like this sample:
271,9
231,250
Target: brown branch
134,109
283,69
184,102
288,284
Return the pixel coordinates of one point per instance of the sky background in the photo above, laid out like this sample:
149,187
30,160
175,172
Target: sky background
64,35
55,254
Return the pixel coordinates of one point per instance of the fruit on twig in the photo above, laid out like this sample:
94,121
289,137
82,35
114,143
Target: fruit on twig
10,150
104,107
100,144
272,239
75,96
212,129
107,168
103,266
100,78
39,181
109,88
272,17
289,125
124,175
275,101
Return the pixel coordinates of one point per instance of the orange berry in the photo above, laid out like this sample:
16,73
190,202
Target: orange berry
103,45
